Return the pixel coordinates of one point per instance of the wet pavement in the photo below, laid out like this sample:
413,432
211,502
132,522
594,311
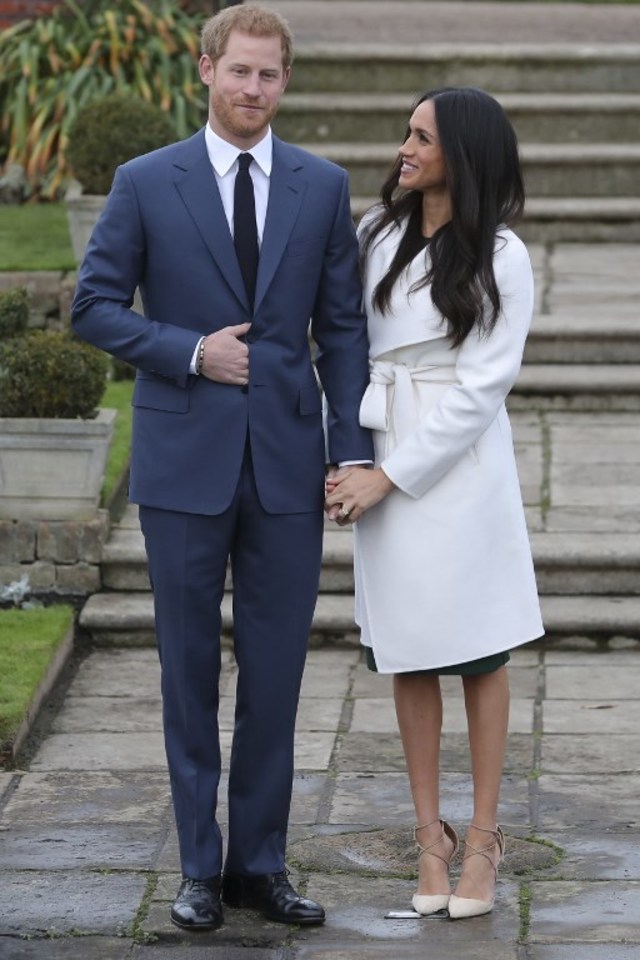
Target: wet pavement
88,851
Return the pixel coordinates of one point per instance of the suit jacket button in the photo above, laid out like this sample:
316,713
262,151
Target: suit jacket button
244,388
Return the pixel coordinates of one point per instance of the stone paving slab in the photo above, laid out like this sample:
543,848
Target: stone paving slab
384,799
213,951
582,682
378,716
109,715
242,928
101,751
595,753
609,856
482,950
86,846
68,948
603,803
102,797
583,951
45,901
591,716
585,912
382,753
357,914
118,673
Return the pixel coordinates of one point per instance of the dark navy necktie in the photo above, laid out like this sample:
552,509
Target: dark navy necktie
245,231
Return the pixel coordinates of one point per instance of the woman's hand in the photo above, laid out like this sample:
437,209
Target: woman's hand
354,490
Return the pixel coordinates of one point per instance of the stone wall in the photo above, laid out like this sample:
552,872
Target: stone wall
59,557
50,295
11,11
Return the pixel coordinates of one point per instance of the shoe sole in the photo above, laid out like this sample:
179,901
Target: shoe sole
307,922
196,927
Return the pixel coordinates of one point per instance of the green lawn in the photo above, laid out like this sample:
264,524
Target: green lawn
35,236
28,641
118,396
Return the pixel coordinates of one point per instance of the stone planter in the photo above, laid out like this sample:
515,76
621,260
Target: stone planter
53,469
83,211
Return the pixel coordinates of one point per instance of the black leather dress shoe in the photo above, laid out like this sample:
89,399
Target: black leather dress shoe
197,905
273,896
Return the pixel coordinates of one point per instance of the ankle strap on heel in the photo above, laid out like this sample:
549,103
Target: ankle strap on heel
446,831
498,840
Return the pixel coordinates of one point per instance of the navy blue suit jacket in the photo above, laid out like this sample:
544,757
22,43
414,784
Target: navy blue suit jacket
164,230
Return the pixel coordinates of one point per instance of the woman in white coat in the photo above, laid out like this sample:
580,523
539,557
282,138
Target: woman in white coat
444,575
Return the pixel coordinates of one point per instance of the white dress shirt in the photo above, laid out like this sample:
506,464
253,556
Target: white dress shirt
224,160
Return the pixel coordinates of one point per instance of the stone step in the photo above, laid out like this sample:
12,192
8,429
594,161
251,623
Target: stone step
124,619
565,219
588,338
562,386
566,563
550,169
382,117
525,68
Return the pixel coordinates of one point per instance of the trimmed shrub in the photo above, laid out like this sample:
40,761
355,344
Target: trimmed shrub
111,131
48,374
14,312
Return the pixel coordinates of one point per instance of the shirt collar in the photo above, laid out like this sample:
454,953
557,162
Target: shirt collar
223,154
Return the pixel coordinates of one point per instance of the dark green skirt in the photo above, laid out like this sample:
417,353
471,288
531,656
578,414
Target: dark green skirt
470,669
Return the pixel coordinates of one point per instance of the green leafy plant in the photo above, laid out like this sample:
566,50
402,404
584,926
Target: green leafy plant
111,131
48,374
14,312
51,67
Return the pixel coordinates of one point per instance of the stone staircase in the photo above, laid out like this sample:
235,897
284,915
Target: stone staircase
589,586
576,110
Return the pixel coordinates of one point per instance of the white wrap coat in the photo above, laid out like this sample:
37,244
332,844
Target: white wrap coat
443,565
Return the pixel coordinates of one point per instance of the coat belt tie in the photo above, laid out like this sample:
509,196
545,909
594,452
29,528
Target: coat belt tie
383,374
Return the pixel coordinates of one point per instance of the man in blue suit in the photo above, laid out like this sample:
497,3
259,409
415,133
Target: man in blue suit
228,451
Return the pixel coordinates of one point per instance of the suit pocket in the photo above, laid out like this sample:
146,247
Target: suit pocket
157,395
309,401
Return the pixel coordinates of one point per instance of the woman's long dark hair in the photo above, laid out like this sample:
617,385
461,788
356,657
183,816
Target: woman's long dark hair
484,180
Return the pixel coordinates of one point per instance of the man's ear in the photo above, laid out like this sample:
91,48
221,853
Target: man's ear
206,69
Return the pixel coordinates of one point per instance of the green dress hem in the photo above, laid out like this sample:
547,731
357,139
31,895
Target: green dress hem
472,668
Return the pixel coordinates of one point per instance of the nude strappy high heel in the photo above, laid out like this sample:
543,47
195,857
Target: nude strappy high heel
431,903
461,907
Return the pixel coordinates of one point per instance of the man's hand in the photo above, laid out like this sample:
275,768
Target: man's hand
352,490
331,479
226,357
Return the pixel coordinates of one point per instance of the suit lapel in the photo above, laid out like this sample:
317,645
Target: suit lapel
196,184
286,191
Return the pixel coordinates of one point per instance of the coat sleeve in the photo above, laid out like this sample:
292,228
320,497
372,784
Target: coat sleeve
486,369
339,330
112,269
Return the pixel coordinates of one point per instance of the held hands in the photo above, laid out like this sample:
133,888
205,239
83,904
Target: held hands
352,490
226,357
